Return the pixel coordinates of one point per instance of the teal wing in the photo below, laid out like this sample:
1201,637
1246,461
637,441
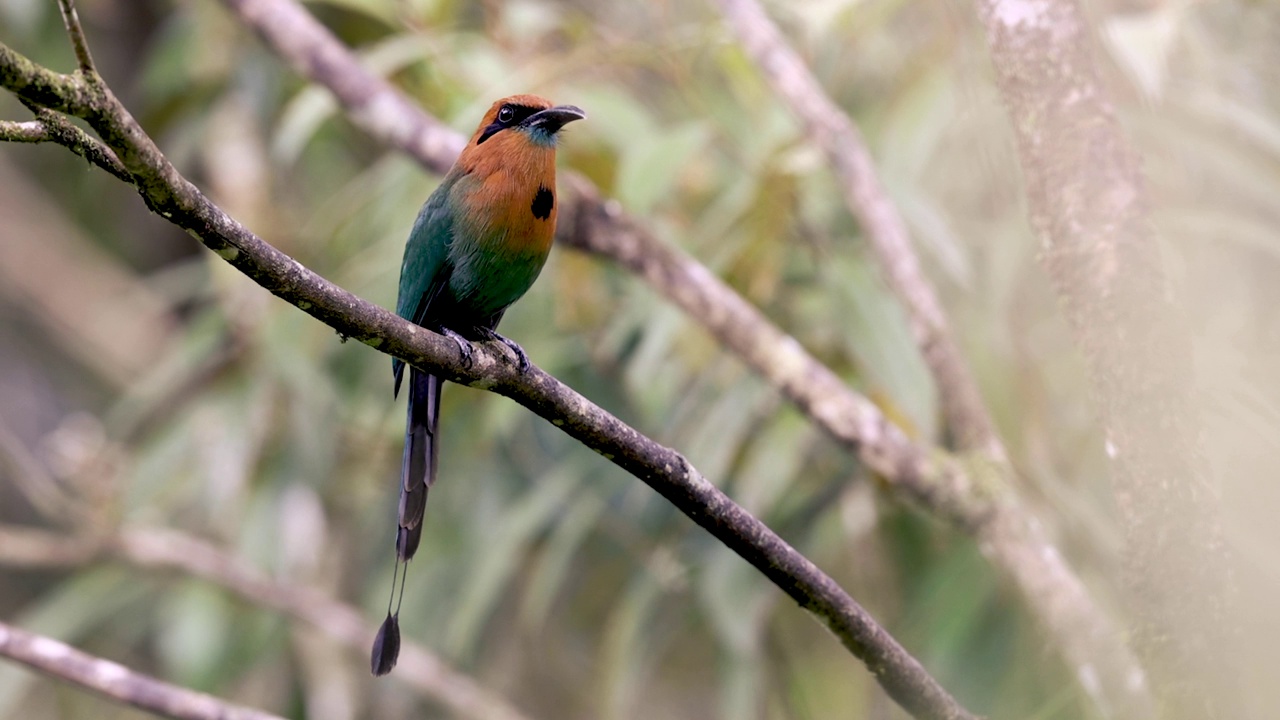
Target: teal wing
426,268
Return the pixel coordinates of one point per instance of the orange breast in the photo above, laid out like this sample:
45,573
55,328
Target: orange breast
508,194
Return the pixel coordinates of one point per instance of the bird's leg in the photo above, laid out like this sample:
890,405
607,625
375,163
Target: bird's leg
464,345
521,359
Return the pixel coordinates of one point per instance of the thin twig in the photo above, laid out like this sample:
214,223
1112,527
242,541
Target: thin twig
71,20
31,131
37,486
51,127
117,682
169,194
81,143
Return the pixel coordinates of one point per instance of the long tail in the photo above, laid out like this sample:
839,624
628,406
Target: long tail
418,469
417,473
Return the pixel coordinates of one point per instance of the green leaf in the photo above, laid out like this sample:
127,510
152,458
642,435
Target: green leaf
650,167
506,542
552,567
70,613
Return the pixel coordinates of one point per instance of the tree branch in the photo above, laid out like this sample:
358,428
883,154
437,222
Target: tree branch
32,131
52,127
169,194
158,549
71,20
1089,210
370,101
836,134
116,681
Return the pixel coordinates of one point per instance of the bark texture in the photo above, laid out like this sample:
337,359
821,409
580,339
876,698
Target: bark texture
1089,210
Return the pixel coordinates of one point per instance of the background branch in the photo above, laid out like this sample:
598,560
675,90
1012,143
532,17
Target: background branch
173,197
71,20
115,681
1089,209
886,232
170,550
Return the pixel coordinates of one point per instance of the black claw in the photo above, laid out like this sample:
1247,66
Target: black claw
522,360
464,345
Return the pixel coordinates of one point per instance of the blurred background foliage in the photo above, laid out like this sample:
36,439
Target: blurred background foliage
143,382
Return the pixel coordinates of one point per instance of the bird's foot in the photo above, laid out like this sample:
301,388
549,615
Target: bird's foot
521,359
464,345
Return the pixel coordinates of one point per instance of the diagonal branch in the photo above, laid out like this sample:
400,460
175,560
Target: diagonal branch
835,133
370,101
115,681
159,549
167,193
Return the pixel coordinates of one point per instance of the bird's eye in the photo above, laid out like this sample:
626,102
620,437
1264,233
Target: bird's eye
506,114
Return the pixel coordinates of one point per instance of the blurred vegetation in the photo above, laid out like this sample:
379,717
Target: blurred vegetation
549,574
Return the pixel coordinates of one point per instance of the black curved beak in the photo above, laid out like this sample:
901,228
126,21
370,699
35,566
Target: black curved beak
552,119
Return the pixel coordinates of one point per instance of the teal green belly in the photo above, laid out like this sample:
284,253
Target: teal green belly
485,284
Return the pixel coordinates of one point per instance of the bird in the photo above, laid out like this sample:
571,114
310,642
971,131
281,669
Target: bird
476,247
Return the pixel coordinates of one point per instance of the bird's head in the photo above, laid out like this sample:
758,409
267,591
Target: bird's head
533,118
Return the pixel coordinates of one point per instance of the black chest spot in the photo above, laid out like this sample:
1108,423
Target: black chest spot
542,203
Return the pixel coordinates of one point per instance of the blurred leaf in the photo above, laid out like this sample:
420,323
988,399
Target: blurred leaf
491,574
555,562
313,105
23,15
741,688
716,435
650,165
624,653
193,631
1142,41
737,599
878,336
772,459
69,613
650,372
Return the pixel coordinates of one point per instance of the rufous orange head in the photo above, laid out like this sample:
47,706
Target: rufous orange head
506,176
528,116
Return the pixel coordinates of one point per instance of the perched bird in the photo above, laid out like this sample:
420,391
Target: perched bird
478,244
